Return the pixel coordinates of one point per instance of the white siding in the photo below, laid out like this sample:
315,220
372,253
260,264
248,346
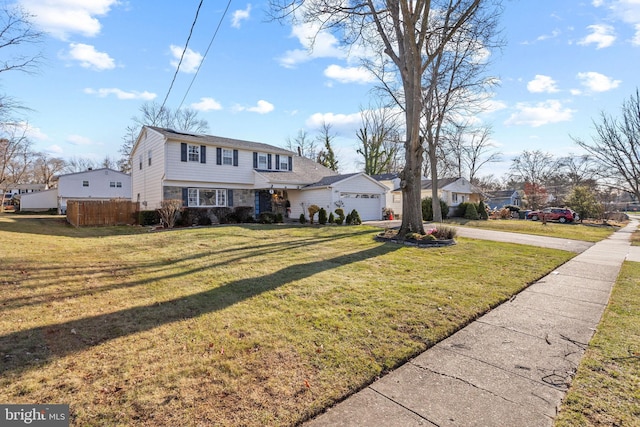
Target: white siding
209,172
147,180
94,184
39,200
301,200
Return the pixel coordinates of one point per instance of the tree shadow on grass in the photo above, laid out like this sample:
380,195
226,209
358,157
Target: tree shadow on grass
26,349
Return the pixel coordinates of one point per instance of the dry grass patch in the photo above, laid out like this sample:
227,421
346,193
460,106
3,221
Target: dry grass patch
606,389
234,325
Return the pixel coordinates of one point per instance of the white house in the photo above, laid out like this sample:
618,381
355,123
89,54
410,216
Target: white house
451,190
39,200
207,171
93,184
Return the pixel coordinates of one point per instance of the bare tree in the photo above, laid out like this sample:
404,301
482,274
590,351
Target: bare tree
533,168
154,114
404,28
17,34
15,156
379,140
616,146
326,156
46,168
80,164
303,145
579,170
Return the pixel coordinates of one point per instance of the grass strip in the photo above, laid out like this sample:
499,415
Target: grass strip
606,389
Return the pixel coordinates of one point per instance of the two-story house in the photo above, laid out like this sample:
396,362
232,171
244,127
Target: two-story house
207,171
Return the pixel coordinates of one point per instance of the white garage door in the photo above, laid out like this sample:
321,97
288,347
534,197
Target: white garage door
367,205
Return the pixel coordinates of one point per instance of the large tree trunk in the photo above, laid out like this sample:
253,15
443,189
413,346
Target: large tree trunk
435,198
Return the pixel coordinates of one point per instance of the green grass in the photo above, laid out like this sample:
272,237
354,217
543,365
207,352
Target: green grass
230,325
588,233
606,389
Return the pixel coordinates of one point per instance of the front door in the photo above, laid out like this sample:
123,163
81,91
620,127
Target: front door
263,202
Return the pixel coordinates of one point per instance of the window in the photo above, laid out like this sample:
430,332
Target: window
284,163
227,157
115,184
262,161
396,198
140,162
194,153
149,157
207,197
85,183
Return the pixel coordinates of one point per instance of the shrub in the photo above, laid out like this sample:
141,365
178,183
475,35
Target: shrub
483,210
322,216
313,209
471,212
444,233
332,219
347,220
427,209
279,218
148,217
340,213
169,211
354,218
303,220
267,218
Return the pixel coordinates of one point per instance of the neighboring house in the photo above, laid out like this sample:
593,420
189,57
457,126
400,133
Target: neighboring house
452,190
93,184
499,199
207,171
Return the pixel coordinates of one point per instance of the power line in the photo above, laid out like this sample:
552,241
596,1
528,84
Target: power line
205,53
175,75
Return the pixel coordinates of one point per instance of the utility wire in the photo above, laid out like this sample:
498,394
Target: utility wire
205,54
175,75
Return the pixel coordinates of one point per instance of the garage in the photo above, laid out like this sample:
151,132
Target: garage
367,204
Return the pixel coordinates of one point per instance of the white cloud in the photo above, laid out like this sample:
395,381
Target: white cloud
349,74
542,84
206,104
601,35
62,18
190,62
121,94
636,38
240,15
89,57
54,149
79,140
262,107
316,45
343,123
542,113
597,82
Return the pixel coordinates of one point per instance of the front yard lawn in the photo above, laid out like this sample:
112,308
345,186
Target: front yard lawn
587,233
606,389
230,325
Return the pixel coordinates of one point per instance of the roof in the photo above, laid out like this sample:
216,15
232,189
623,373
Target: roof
329,180
385,176
427,184
219,141
305,172
91,171
500,194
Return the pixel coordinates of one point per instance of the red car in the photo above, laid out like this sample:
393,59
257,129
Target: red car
553,214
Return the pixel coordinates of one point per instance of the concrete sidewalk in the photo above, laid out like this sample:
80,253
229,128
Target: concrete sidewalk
511,367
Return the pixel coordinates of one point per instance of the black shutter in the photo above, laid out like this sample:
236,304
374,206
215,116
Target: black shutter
218,156
203,154
277,161
290,163
255,160
183,152
185,197
269,161
235,157
230,198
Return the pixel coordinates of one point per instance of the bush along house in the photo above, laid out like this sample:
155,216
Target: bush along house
226,180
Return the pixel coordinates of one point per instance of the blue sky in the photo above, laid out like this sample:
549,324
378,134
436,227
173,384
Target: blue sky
564,62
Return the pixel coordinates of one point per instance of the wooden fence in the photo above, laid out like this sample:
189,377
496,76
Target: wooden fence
102,212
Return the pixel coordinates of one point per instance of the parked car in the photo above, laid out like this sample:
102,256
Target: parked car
553,214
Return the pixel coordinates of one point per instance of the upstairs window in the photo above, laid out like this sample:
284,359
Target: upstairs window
284,163
262,161
194,153
85,183
149,157
227,157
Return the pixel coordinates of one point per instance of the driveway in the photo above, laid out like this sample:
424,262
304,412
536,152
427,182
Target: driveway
576,246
